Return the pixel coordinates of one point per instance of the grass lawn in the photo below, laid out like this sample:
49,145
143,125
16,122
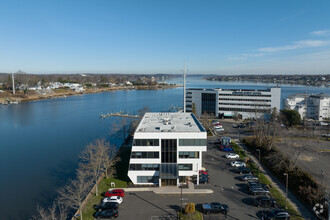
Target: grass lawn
280,199
196,216
120,181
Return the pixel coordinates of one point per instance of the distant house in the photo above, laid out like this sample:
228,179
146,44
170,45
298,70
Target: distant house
22,87
129,83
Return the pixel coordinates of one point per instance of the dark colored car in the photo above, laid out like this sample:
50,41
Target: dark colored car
115,192
106,205
244,170
263,201
215,207
110,213
275,214
203,180
241,126
204,175
258,185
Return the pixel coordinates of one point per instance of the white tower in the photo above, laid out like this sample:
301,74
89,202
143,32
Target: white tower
12,77
184,87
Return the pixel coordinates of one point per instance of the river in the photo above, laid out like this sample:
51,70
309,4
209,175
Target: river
40,141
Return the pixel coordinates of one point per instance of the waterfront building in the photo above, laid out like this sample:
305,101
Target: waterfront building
315,107
167,149
241,103
296,102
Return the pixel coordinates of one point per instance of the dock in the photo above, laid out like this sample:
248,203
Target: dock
118,114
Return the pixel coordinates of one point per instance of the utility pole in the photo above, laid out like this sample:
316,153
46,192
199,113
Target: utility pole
12,77
184,87
286,191
258,150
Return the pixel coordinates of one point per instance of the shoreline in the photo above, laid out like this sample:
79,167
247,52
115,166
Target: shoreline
20,97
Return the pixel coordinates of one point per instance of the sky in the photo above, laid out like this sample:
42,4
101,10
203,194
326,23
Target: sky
153,36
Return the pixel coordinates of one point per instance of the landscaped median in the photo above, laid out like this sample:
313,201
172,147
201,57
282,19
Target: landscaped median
274,192
195,216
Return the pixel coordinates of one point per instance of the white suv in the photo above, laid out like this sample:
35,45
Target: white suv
238,164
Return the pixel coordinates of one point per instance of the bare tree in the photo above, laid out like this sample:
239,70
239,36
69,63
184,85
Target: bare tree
124,127
73,194
265,131
57,211
286,159
94,158
110,152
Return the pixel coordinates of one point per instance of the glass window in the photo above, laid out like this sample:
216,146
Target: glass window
145,142
185,166
192,142
152,154
144,167
147,179
192,154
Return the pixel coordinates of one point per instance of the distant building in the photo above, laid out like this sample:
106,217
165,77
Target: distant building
167,149
241,103
296,102
315,107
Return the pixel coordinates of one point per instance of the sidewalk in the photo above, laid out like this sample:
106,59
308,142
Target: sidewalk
299,206
170,190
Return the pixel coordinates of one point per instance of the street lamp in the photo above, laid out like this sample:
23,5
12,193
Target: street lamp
258,150
181,186
286,187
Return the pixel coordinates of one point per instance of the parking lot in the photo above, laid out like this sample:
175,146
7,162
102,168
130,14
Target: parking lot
224,182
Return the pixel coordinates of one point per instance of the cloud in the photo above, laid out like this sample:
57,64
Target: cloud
320,33
295,46
245,56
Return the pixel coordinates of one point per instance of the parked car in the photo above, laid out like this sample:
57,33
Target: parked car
227,149
244,170
214,122
110,213
235,126
117,199
204,176
263,201
238,164
259,191
215,207
249,177
115,192
203,180
106,205
203,172
241,126
219,129
232,155
275,214
257,185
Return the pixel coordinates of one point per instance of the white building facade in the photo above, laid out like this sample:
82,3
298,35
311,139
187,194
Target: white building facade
243,103
167,149
315,107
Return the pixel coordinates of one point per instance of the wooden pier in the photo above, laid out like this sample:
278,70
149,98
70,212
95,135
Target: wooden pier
119,114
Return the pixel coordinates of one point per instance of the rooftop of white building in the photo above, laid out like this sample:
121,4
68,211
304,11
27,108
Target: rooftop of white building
169,122
237,90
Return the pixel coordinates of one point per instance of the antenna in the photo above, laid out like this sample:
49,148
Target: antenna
305,106
12,77
184,87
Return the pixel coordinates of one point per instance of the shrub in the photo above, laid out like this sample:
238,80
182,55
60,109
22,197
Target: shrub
190,208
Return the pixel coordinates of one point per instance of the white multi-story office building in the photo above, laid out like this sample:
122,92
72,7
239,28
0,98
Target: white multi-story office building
167,148
316,107
243,103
